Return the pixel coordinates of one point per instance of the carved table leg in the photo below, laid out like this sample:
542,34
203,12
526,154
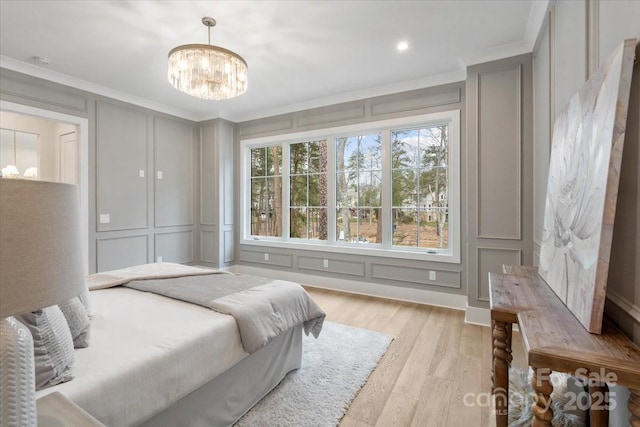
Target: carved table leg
634,407
501,360
598,413
542,412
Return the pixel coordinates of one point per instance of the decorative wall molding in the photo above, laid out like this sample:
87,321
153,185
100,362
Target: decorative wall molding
419,100
43,94
117,246
518,161
399,293
228,245
259,126
39,72
482,285
537,16
207,246
593,36
416,275
330,114
172,240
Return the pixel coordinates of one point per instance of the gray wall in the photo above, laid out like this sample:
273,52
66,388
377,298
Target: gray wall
148,217
496,181
218,191
499,170
576,38
400,273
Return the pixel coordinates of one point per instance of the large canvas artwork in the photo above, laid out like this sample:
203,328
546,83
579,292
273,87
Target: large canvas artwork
582,188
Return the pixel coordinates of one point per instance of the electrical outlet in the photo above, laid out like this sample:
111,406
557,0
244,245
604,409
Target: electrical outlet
432,275
326,263
105,218
159,259
266,257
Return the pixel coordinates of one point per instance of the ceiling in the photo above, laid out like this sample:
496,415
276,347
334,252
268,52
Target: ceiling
301,54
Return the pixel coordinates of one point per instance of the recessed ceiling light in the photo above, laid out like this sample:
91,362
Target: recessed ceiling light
403,46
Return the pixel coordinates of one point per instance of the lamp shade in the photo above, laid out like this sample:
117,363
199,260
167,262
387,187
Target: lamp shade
40,245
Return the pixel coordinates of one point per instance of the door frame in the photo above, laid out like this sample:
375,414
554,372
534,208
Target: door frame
82,125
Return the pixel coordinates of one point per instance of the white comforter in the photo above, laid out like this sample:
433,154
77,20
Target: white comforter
263,308
146,352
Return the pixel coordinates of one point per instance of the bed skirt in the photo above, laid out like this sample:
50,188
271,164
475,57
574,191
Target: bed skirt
223,400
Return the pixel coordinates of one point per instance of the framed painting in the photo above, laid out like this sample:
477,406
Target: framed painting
582,188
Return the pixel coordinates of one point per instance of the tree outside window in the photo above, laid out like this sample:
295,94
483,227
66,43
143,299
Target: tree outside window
419,187
308,190
266,191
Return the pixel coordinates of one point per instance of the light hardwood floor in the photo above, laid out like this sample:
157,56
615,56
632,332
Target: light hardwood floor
435,363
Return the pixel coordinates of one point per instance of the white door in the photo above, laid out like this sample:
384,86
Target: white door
69,166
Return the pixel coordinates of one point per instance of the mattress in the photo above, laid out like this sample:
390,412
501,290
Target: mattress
147,352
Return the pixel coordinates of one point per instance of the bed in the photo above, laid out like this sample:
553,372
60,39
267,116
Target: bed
159,361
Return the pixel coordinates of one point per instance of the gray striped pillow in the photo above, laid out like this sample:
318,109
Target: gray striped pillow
52,345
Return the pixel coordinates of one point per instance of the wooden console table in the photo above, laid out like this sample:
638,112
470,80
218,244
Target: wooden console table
554,340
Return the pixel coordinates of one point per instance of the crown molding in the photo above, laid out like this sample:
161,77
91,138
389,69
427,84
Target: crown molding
63,79
430,81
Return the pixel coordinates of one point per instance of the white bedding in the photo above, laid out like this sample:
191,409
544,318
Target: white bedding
151,351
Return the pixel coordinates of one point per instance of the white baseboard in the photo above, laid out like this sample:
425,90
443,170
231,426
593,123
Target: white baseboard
421,296
477,316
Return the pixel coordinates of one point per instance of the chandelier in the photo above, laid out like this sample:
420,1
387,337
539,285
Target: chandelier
206,71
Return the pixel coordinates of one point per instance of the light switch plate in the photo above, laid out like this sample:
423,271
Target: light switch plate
105,218
159,259
159,174
141,173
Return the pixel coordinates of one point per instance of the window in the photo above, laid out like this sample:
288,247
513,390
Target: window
266,191
359,188
419,164
388,188
308,190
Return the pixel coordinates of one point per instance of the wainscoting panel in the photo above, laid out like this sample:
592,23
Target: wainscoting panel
499,118
499,169
333,265
423,276
121,153
208,246
121,252
267,258
490,260
174,247
262,126
333,115
229,245
569,50
416,100
174,159
208,175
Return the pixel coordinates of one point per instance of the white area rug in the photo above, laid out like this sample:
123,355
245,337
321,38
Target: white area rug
334,368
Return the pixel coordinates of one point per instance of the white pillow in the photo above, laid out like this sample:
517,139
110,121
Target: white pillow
52,345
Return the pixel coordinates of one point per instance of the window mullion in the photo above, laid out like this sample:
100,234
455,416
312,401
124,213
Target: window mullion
331,191
286,203
387,221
